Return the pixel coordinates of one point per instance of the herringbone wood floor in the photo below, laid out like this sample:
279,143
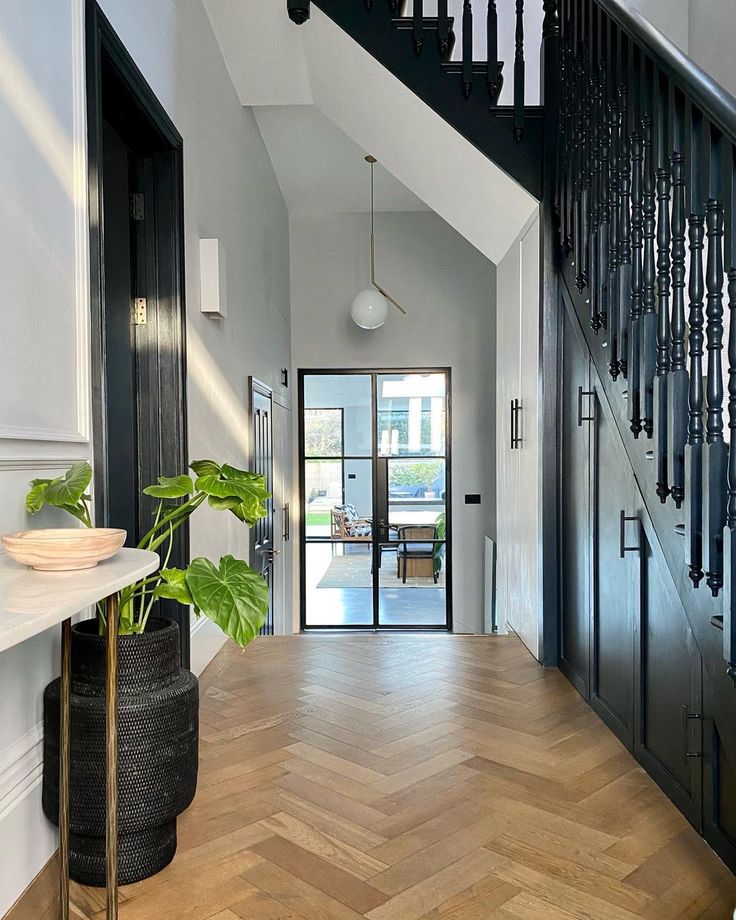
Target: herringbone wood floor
406,777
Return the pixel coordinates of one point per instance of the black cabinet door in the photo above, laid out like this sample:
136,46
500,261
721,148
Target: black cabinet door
575,540
616,580
669,725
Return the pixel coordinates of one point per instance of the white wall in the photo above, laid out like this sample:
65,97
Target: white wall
712,27
230,193
448,288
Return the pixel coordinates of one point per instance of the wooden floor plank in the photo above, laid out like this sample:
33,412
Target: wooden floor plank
414,778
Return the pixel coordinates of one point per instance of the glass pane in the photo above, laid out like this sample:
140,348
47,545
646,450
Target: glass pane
323,433
411,415
323,482
346,394
412,579
416,491
339,584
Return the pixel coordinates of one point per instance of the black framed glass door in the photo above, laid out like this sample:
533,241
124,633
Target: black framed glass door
375,491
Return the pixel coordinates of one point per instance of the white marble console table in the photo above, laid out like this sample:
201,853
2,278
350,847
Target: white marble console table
32,602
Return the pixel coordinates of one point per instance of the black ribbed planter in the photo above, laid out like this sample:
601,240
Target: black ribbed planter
158,720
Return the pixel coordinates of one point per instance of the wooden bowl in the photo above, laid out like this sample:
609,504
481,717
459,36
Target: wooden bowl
63,550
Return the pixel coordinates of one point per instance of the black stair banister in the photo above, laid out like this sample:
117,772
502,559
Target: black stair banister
648,332
493,74
594,261
467,48
416,49
677,385
663,331
624,252
519,73
715,457
695,435
443,29
637,281
418,31
729,544
604,154
614,365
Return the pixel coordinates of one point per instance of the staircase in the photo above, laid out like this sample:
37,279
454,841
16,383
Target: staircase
417,49
633,158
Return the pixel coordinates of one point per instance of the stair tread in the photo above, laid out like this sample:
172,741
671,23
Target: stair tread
429,22
478,67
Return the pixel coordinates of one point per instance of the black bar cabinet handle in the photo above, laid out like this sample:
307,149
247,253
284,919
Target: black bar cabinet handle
623,548
517,415
513,431
583,418
286,535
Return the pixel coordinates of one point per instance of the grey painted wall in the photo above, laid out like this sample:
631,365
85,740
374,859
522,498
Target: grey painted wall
230,193
448,287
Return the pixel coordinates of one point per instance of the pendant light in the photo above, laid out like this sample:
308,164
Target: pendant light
370,307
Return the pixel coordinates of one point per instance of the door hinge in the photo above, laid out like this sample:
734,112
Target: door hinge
137,206
139,312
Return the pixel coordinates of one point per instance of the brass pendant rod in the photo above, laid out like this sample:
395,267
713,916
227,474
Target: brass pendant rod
389,298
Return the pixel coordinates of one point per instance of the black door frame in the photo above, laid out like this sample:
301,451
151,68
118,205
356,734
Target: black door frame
164,404
374,372
256,387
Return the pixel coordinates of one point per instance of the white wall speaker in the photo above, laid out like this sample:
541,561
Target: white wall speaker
212,278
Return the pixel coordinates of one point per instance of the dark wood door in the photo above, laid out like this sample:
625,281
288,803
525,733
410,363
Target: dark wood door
262,533
669,726
575,511
616,580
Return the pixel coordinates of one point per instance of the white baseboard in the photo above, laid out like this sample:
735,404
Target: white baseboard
207,639
21,767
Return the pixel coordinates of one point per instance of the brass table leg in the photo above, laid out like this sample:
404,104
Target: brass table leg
64,761
111,748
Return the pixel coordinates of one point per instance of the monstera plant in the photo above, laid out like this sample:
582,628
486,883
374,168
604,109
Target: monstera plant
232,594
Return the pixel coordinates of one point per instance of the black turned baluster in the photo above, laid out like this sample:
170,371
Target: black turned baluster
614,366
624,250
695,434
729,547
715,456
585,154
677,384
443,29
467,48
603,229
298,10
418,30
663,332
595,196
519,73
648,331
494,76
637,281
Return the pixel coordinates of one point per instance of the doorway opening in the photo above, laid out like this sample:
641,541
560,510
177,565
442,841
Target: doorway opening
137,294
375,487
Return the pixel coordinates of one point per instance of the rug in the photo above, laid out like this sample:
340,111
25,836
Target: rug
354,571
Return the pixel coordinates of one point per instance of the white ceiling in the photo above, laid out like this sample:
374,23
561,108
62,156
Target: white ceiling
319,168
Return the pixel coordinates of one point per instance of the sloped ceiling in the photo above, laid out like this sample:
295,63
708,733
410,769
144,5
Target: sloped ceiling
360,108
319,168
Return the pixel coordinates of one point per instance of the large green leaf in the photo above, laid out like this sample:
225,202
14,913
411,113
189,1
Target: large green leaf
67,490
35,498
171,487
175,587
205,467
235,490
234,596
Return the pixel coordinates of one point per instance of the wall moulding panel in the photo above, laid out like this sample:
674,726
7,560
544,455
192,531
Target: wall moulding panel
44,352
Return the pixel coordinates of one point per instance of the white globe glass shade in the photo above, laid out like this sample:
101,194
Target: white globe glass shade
369,309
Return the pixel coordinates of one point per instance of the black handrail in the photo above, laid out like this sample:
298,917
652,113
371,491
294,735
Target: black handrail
708,95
